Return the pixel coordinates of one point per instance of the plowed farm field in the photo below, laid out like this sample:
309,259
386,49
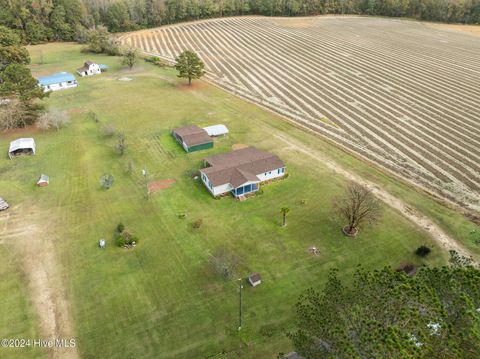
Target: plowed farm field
400,93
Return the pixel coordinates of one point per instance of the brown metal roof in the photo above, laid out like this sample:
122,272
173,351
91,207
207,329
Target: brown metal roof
240,166
255,277
192,135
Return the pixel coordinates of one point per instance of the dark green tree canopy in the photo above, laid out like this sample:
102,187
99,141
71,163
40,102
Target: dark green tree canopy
11,50
17,82
189,66
388,314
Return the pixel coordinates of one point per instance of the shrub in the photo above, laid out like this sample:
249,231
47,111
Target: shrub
198,223
120,241
267,331
408,268
53,119
106,181
108,130
120,227
93,116
157,61
423,251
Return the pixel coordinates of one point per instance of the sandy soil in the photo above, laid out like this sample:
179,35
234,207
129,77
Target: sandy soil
27,235
471,29
160,185
239,146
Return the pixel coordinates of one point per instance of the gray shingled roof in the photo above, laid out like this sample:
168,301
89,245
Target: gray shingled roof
240,166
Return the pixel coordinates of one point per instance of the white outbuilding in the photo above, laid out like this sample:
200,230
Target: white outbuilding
216,130
57,82
22,146
89,68
255,279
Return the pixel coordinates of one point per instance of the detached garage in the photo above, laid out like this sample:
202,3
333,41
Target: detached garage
22,146
192,138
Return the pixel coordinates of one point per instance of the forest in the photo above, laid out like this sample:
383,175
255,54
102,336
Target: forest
39,21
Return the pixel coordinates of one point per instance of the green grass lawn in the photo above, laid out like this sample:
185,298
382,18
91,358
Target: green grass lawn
161,299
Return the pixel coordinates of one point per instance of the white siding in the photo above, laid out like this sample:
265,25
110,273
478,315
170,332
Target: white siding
271,175
218,190
93,69
60,86
224,188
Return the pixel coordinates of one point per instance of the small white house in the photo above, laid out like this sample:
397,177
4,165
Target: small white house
89,69
22,146
240,172
57,82
255,279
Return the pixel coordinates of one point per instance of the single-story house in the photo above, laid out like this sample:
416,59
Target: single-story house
241,171
216,130
192,138
89,68
3,204
255,279
56,82
22,146
43,181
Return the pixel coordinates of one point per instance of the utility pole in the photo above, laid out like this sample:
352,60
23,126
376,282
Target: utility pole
240,312
145,174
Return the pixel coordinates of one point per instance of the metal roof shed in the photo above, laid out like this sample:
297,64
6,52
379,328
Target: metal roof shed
21,146
216,130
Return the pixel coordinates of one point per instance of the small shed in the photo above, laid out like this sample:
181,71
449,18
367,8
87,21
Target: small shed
3,204
192,138
101,243
216,130
22,146
43,181
255,279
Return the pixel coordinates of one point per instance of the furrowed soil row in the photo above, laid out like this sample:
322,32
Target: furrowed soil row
399,93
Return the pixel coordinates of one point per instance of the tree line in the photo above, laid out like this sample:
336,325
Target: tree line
47,20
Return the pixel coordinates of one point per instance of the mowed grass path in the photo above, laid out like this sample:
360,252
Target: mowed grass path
161,300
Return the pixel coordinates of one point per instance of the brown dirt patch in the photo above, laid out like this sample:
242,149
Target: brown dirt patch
25,233
239,146
21,132
196,85
160,185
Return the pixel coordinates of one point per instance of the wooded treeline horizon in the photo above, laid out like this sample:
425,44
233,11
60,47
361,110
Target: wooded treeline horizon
39,21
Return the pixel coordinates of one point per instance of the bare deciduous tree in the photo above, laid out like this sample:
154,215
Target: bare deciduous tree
53,119
358,206
224,262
